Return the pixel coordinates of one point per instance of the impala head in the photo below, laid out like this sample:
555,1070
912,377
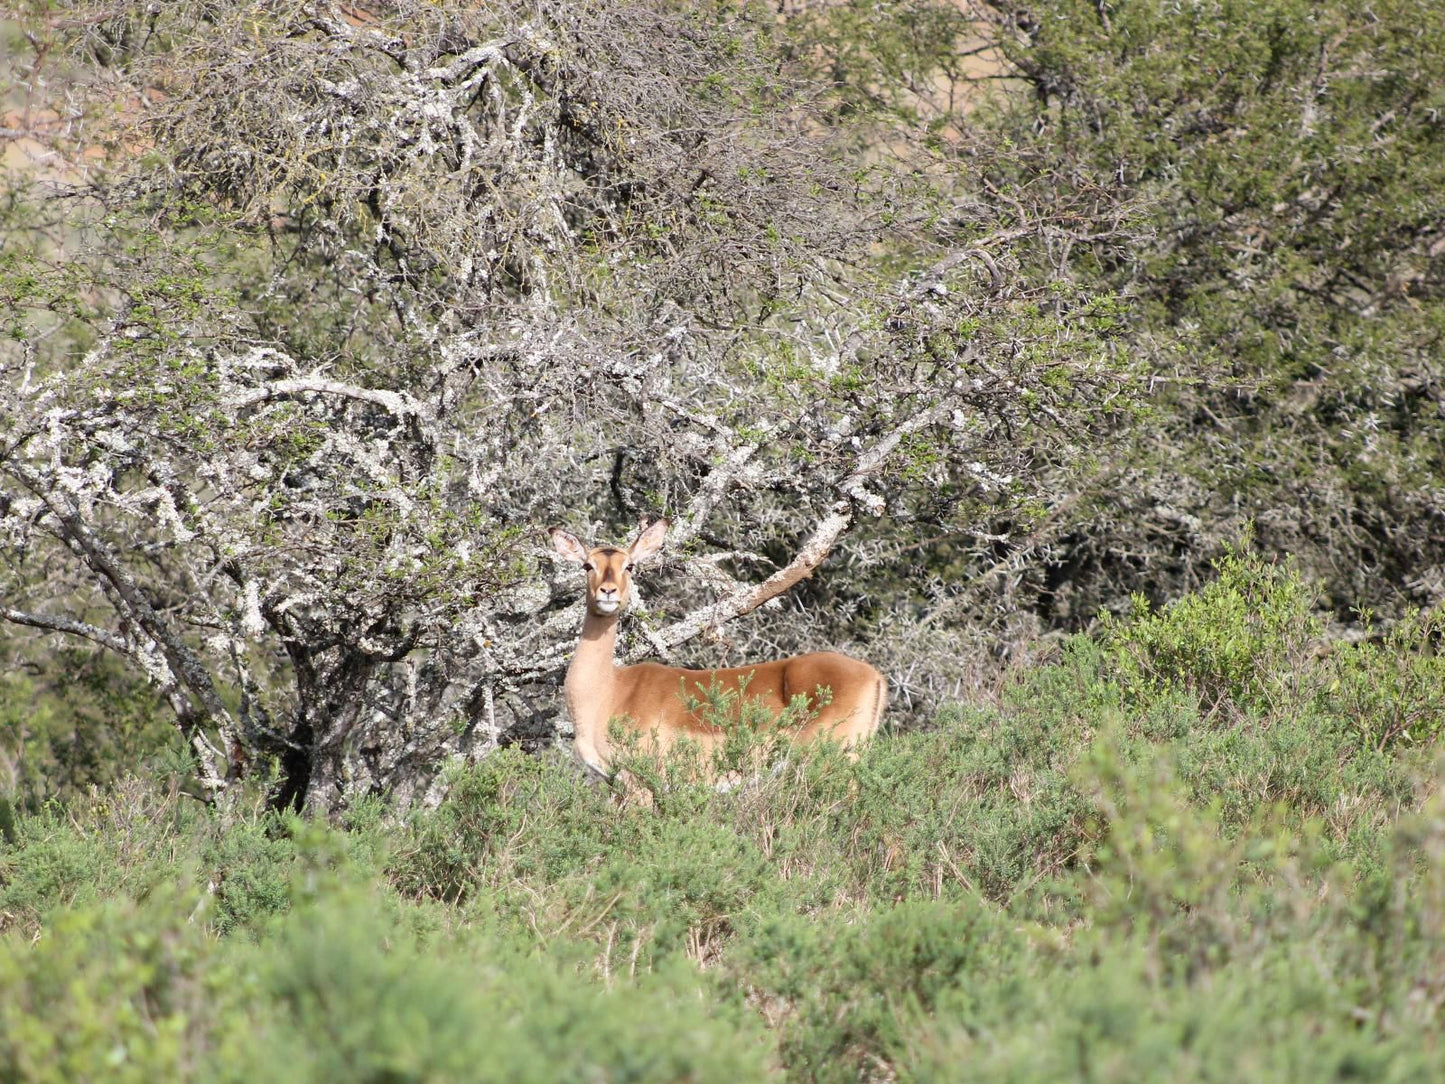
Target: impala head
609,569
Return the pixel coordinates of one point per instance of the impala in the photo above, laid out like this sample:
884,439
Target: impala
661,703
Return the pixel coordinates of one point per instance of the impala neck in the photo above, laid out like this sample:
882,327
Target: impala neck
590,686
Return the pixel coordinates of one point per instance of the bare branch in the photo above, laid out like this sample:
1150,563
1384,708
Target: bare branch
398,403
69,626
746,599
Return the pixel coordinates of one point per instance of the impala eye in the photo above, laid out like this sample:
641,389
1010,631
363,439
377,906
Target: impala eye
586,566
629,568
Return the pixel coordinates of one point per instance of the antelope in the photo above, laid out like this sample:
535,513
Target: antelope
660,703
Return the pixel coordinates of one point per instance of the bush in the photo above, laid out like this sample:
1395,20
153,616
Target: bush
350,991
344,990
1393,689
851,997
121,991
123,841
1239,646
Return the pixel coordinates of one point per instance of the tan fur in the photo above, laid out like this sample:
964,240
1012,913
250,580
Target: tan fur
652,699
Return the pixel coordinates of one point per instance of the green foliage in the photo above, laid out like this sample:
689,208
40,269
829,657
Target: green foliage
350,993
1239,642
1393,688
1254,189
129,839
860,993
250,868
123,991
70,720
345,990
1249,648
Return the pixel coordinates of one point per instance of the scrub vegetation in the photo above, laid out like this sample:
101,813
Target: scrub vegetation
1185,850
1081,362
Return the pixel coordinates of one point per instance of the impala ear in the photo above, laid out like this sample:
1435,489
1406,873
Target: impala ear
568,546
648,542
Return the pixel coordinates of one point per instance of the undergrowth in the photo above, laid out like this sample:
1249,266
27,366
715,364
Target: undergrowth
1201,845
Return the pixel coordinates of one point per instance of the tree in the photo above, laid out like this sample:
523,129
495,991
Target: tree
1258,185
1285,164
350,302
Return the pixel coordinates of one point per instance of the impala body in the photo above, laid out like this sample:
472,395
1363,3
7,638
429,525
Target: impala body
846,695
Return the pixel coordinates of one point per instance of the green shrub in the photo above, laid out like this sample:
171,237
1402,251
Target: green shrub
121,991
122,841
134,837
1209,953
850,996
250,870
348,991
1109,1018
1239,645
536,811
1392,690
348,987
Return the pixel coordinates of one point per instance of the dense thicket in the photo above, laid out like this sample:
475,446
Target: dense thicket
1260,185
1288,161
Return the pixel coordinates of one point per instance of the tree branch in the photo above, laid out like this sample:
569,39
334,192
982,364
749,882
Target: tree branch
183,663
398,403
68,626
750,597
